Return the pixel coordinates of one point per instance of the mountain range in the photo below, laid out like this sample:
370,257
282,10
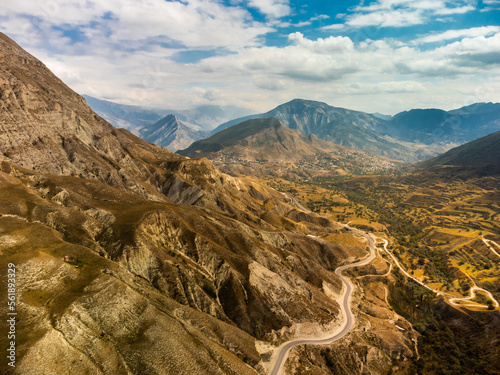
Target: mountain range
172,129
454,127
408,136
203,117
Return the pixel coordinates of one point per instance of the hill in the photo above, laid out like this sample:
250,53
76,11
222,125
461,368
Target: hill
260,139
482,153
267,147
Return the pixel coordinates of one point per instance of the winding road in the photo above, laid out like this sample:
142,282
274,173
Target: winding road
282,352
345,307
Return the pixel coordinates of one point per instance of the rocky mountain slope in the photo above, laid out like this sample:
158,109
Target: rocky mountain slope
307,116
260,139
135,260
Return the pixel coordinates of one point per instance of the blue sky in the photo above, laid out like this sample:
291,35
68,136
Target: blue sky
381,55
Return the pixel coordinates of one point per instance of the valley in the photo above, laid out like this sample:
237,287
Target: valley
448,258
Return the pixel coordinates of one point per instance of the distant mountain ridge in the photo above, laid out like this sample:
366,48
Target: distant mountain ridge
205,117
124,116
307,115
171,133
159,126
409,136
457,126
341,126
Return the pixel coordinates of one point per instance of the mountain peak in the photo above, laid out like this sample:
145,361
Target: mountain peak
305,102
170,132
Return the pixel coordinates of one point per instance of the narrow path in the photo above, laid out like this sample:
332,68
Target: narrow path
472,294
452,300
491,247
345,307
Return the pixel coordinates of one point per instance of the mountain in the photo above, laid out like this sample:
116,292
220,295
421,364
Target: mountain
340,126
134,118
311,117
483,152
171,133
265,147
381,116
408,136
458,126
135,260
260,139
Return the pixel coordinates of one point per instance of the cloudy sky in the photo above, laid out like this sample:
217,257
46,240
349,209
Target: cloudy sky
380,55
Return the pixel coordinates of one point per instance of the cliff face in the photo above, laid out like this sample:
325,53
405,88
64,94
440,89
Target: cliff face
173,267
45,126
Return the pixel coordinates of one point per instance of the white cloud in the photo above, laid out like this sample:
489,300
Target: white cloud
383,18
269,83
320,45
132,51
320,17
193,23
389,87
458,10
335,26
398,13
271,8
454,34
